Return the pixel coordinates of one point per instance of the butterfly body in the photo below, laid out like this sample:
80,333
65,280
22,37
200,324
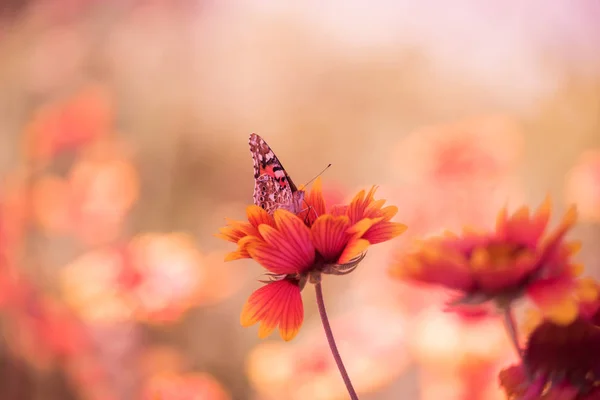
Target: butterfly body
273,187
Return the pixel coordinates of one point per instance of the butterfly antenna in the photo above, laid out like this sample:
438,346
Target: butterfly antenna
318,175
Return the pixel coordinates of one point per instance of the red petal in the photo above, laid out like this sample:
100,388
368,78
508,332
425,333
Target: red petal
554,298
275,304
384,231
286,249
315,198
329,236
513,380
528,230
257,216
234,231
552,242
358,205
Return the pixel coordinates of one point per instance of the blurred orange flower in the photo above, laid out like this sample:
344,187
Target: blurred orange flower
514,259
155,278
162,359
190,386
296,248
68,124
583,185
90,286
169,271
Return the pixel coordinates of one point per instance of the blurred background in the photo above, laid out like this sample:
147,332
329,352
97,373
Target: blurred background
124,127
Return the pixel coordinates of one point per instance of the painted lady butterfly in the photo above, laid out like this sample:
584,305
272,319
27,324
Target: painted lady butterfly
273,187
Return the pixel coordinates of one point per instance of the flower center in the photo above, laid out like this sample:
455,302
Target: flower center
496,256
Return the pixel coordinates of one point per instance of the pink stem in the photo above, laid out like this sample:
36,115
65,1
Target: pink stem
331,341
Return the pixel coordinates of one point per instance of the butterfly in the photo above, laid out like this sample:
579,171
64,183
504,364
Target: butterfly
273,187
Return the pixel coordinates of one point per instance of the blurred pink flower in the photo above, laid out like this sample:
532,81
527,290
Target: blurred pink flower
93,201
14,215
68,124
478,149
583,186
155,278
41,330
374,358
480,337
171,274
462,362
91,286
46,334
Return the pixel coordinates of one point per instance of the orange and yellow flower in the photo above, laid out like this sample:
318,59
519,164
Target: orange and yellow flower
517,258
299,248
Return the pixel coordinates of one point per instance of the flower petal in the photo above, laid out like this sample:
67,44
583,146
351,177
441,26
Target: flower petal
315,200
353,249
522,228
514,380
436,265
286,249
258,216
338,210
278,303
237,255
362,226
552,241
356,210
388,212
515,383
329,236
291,319
234,231
555,299
555,349
384,231
497,268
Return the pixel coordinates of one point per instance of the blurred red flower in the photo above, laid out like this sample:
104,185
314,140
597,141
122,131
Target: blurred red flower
583,185
560,362
514,259
296,248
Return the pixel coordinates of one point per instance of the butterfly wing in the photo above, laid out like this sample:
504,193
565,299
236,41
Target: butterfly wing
273,187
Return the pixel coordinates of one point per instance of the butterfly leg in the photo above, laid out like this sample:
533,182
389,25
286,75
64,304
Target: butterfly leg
309,209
